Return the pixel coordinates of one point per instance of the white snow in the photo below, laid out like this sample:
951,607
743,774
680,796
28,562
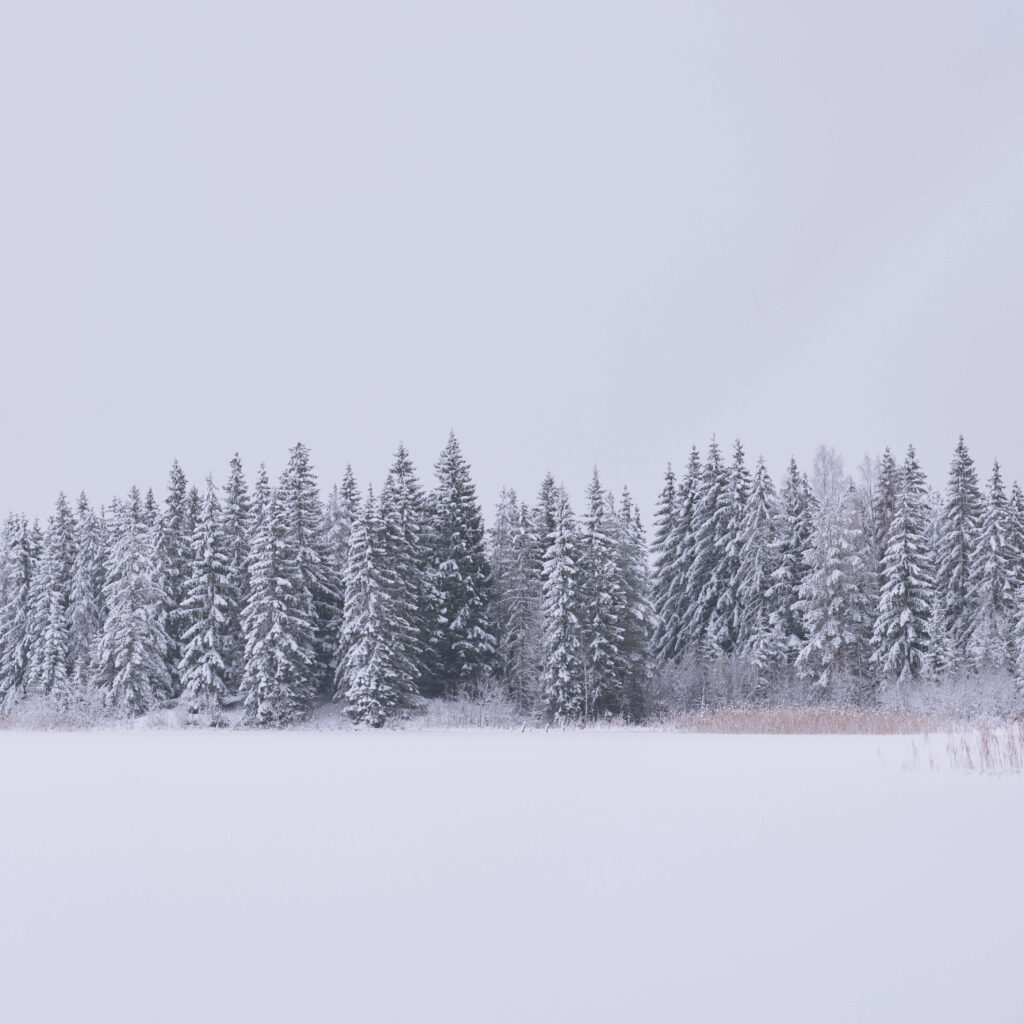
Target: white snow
485,876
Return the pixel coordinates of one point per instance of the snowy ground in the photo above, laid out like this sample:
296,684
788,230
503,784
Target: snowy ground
475,876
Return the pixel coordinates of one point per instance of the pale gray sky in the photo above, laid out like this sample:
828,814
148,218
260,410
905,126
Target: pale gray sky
577,233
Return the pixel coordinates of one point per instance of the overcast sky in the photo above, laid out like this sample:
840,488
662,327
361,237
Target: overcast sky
576,233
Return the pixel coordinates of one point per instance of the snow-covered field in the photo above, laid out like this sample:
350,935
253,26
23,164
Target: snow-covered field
485,876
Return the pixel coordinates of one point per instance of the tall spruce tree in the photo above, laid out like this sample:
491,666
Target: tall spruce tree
21,556
1016,546
992,594
902,631
832,602
209,611
958,531
638,610
342,511
305,536
406,550
278,620
673,639
49,643
663,557
175,562
133,653
759,641
794,534
465,640
516,599
562,680
601,607
542,520
887,496
706,579
725,623
235,519
377,669
86,610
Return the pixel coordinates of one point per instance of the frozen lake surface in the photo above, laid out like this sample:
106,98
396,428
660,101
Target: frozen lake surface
485,876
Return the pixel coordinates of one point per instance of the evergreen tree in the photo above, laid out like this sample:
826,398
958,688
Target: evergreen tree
49,643
672,639
903,626
133,655
516,599
663,559
886,501
542,521
235,521
707,579
147,511
465,641
601,607
832,602
22,555
638,611
209,610
405,549
317,577
278,618
377,668
959,529
991,595
1016,556
562,680
760,642
175,563
725,623
794,533
86,610
342,511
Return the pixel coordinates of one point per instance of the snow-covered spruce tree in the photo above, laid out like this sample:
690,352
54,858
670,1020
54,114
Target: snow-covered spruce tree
958,532
49,642
464,647
759,642
342,511
21,556
516,599
902,633
208,610
277,620
146,510
542,521
86,610
562,680
235,519
662,559
832,603
602,605
992,588
406,551
887,495
376,674
1016,623
724,627
132,665
672,640
317,576
638,611
175,564
705,580
794,532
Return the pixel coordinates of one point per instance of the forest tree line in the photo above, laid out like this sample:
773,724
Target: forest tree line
273,598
